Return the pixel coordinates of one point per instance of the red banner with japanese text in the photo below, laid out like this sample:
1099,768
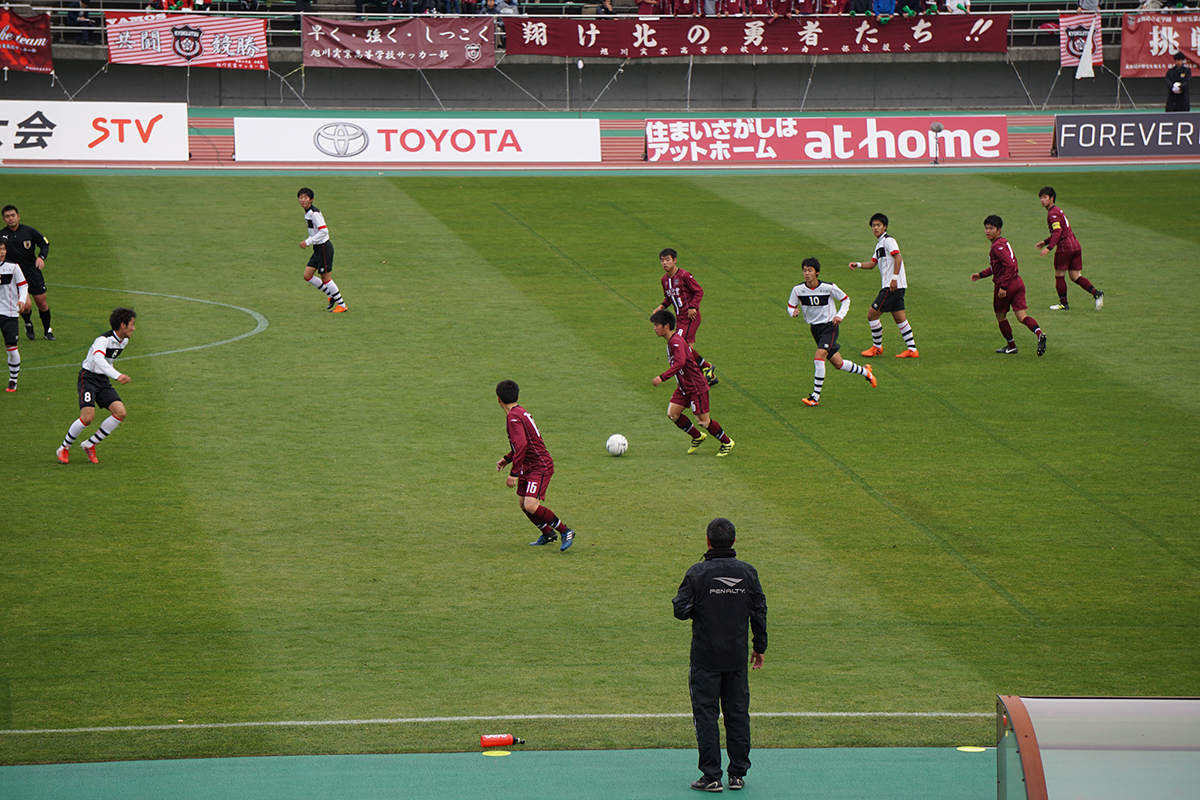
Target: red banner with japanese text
1073,33
831,139
649,37
186,40
419,43
1149,43
25,42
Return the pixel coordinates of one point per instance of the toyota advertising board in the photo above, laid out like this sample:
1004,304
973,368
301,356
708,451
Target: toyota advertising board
415,140
62,131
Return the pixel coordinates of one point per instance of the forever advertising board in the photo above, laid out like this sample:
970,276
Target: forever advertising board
1126,135
85,131
405,140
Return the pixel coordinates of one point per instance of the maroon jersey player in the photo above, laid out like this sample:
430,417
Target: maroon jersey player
691,389
682,295
1008,288
1068,255
531,469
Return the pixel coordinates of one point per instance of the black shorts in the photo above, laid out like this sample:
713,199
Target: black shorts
825,335
33,276
10,329
889,300
95,390
322,258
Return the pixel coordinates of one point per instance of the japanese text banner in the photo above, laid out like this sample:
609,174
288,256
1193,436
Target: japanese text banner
831,139
25,42
455,43
46,130
1149,43
182,40
649,37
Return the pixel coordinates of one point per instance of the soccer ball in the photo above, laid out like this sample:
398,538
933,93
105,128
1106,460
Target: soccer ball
616,445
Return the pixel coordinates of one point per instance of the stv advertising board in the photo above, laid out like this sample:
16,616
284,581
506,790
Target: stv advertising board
64,131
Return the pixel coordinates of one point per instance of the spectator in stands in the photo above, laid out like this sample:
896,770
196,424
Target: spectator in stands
963,6
730,8
854,7
249,6
400,6
1178,78
489,7
687,8
77,17
605,9
1089,6
655,8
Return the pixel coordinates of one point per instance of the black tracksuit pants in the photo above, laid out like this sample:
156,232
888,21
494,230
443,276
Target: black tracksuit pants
728,692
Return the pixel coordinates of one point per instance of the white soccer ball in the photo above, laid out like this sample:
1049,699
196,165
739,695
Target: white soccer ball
616,445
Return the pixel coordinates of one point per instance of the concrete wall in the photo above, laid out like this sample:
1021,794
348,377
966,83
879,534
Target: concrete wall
525,83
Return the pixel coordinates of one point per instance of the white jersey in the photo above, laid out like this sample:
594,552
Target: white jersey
103,351
817,304
318,231
13,289
886,251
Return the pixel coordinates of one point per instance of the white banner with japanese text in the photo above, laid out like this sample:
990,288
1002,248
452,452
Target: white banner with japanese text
403,140
182,40
829,139
63,131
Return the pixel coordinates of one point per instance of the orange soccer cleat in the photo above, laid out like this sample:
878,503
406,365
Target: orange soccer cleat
873,351
811,400
339,309
90,452
908,354
870,376
64,455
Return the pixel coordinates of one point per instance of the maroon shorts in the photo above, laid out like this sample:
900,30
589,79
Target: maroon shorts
1013,299
1068,262
698,405
688,327
534,485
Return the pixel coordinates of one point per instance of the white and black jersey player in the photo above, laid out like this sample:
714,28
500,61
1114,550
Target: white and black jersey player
94,386
319,271
14,290
891,296
816,300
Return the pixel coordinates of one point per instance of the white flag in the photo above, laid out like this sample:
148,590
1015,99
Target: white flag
1084,70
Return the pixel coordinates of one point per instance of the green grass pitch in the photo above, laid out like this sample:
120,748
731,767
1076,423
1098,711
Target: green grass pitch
306,524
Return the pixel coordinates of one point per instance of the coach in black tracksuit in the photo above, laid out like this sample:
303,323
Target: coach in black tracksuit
720,595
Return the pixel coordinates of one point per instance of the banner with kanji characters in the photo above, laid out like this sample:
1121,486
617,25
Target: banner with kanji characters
829,139
649,37
183,40
419,43
1073,32
44,130
1149,43
25,42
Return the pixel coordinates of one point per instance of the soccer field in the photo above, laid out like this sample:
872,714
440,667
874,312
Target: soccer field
301,520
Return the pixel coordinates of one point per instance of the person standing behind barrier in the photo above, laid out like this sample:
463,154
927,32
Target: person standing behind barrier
1178,78
723,597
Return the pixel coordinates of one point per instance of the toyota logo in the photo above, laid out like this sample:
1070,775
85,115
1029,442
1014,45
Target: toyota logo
340,139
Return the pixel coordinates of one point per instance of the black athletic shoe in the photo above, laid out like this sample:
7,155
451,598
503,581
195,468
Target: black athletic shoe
1008,350
705,785
29,331
736,782
50,336
1042,344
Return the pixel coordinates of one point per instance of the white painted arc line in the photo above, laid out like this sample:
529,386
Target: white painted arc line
260,320
496,718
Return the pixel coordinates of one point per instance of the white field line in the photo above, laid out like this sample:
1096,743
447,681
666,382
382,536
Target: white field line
260,323
497,718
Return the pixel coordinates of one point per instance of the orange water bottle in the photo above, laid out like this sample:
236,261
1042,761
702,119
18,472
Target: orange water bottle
498,740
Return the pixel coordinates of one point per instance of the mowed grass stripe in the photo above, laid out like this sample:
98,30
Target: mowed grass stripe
785,424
